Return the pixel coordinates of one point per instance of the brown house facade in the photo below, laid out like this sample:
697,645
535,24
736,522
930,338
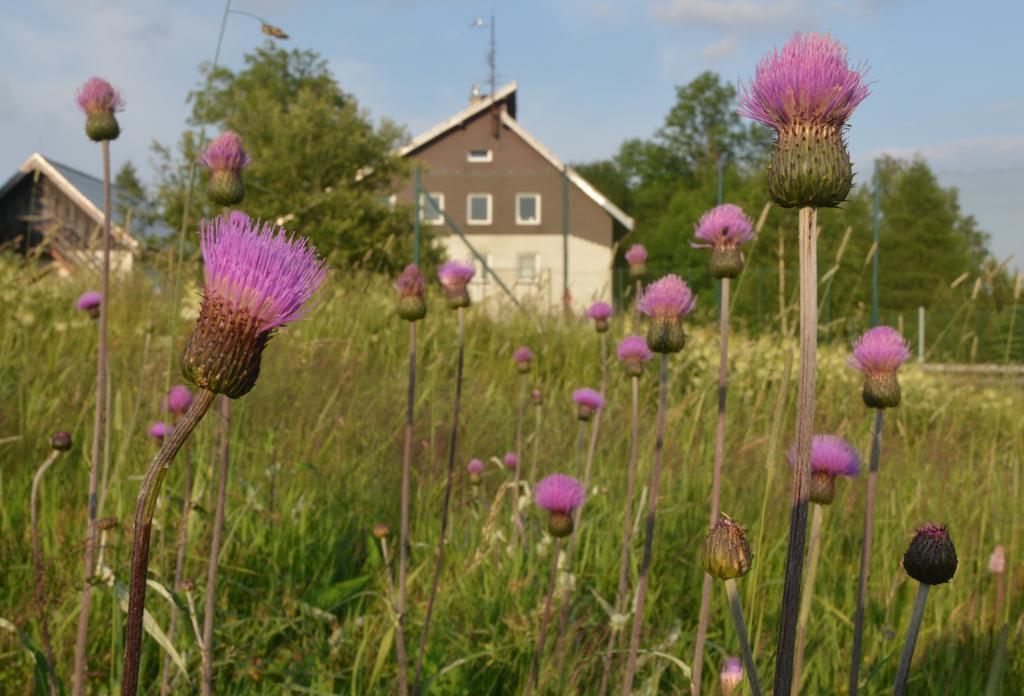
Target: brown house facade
506,192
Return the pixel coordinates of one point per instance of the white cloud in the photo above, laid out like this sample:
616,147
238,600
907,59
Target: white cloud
723,48
735,14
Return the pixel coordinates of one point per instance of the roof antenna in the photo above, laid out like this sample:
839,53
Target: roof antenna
492,67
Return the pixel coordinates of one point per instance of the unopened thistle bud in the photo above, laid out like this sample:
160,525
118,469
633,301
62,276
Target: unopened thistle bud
537,397
90,302
381,531
600,312
636,257
475,469
61,441
588,402
523,356
633,352
257,279
455,277
723,229
879,354
807,93
225,158
666,302
560,495
410,286
726,553
100,102
831,456
931,557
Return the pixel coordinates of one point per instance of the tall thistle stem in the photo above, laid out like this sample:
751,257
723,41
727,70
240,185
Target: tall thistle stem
37,562
615,636
908,648
81,641
538,421
520,414
865,552
179,565
218,531
813,554
741,635
148,494
439,559
716,480
544,620
652,505
403,541
790,609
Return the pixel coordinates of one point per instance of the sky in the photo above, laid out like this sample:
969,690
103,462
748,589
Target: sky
946,75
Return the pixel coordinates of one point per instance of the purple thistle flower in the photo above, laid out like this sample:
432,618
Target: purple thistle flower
590,398
879,351
731,675
831,455
599,311
97,96
226,154
159,430
454,274
411,282
522,357
89,301
537,397
668,298
511,460
634,348
808,82
724,226
179,398
559,493
475,466
637,255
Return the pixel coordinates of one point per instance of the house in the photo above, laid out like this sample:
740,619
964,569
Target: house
54,211
506,192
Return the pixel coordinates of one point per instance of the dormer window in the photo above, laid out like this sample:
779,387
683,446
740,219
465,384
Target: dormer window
481,155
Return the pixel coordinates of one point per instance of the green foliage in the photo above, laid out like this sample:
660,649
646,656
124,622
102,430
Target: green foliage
319,165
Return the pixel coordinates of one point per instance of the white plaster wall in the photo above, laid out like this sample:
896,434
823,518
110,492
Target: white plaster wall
590,276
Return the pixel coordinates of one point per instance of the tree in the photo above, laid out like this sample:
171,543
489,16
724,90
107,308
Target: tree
319,165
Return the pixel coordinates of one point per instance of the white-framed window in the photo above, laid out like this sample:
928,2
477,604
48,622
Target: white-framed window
428,213
478,208
527,208
480,155
527,267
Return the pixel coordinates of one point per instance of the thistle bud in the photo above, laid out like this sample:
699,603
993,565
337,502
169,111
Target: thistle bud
878,354
410,286
931,557
226,159
61,441
560,524
588,402
666,302
100,101
381,531
561,496
809,166
726,553
823,488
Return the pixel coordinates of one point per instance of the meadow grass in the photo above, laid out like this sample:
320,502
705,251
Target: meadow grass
302,597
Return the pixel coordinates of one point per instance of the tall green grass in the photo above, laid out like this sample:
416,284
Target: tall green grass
303,603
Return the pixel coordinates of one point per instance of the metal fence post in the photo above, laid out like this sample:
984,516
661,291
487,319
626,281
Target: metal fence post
920,334
416,192
876,209
565,238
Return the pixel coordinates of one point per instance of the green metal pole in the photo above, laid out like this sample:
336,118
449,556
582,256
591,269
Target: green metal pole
876,211
416,191
565,237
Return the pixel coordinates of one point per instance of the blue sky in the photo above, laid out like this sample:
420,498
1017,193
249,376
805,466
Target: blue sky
591,72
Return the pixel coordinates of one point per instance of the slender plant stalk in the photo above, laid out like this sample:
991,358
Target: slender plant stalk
439,559
218,530
716,481
865,552
81,640
790,609
908,648
652,504
148,494
179,566
520,414
813,554
636,304
615,635
403,541
741,635
37,562
544,619
537,423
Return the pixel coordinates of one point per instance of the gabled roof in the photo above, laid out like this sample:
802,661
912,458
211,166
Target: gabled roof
84,190
507,94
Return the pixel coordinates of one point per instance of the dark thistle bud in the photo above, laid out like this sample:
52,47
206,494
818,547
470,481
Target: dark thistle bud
410,286
726,553
823,488
61,441
931,557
